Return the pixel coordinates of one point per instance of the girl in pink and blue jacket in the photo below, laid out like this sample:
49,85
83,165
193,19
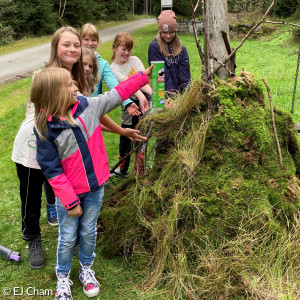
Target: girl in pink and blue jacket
72,156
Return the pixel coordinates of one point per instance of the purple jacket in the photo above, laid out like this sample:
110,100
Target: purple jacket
73,158
177,69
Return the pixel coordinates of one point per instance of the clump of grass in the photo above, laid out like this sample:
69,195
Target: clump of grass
216,215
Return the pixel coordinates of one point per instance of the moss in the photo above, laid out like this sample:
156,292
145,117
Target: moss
216,179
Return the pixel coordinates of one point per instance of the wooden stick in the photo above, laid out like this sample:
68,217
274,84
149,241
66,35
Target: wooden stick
133,150
206,44
245,37
223,65
282,22
273,120
201,54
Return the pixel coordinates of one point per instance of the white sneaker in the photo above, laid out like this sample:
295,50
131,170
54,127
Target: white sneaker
63,289
87,278
119,172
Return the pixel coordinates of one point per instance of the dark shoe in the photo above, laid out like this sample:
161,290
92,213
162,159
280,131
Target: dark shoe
52,215
36,258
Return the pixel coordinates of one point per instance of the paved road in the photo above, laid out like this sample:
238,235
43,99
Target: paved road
22,63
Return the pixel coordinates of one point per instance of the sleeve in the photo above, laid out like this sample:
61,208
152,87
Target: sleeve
154,53
128,87
108,76
118,73
184,73
106,102
49,161
138,64
29,107
100,74
111,80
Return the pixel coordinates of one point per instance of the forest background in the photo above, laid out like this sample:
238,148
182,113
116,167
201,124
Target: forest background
20,18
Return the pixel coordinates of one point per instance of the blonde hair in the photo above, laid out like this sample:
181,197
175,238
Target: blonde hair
54,61
90,30
175,45
51,96
93,78
122,39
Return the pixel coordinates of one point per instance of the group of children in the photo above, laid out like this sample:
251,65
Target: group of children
60,143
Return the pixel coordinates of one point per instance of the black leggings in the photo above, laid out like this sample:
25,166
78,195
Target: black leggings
31,182
126,145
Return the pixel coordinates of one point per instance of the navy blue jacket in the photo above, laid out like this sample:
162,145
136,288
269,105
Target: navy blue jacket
177,69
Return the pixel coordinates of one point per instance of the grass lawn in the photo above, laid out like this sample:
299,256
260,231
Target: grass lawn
270,59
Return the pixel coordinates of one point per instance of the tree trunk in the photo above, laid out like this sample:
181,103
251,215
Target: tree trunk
217,44
146,7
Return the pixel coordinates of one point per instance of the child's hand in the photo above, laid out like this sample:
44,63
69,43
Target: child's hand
133,134
144,104
133,109
169,103
75,212
149,71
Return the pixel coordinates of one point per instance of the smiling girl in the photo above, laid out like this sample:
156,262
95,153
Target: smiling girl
167,47
90,67
124,65
91,40
65,53
72,156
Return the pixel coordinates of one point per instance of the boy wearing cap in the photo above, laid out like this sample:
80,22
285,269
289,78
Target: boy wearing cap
167,47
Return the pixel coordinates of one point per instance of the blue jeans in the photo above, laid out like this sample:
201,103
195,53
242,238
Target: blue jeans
86,226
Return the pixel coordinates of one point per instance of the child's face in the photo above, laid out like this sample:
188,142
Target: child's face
73,90
87,65
122,54
90,42
69,49
168,36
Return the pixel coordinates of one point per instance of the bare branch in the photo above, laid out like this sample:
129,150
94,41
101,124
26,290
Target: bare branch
246,36
282,22
196,7
223,65
211,66
61,10
205,70
195,32
273,121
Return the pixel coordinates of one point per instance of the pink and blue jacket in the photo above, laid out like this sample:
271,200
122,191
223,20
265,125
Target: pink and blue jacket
73,158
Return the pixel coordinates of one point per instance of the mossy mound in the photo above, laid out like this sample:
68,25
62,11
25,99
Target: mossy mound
217,215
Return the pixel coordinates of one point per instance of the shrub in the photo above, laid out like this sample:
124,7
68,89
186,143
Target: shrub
31,18
6,35
296,35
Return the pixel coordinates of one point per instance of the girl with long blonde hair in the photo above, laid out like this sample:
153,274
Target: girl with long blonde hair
72,156
90,67
167,47
66,47
65,54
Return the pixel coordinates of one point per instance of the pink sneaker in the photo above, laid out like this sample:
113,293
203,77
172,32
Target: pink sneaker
87,278
63,290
